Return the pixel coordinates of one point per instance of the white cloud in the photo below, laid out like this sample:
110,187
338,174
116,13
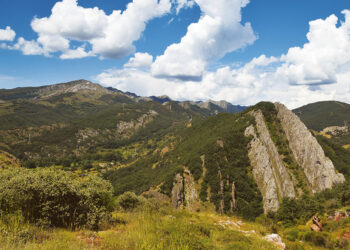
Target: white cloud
28,47
183,4
283,79
218,32
140,60
110,36
319,61
7,34
76,53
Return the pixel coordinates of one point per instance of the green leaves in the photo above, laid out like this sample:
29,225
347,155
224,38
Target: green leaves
55,198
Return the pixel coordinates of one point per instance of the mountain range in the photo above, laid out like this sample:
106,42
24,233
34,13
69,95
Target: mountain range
246,161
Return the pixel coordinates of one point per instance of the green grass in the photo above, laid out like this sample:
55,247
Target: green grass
140,229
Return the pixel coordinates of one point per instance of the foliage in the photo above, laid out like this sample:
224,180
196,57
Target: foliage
192,144
293,212
320,115
129,201
55,198
339,156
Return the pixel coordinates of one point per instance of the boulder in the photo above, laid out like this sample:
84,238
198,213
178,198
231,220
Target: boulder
276,240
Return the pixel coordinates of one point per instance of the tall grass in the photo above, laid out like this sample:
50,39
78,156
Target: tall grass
146,229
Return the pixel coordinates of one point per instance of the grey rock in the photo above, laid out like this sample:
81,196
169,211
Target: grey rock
280,172
308,153
262,171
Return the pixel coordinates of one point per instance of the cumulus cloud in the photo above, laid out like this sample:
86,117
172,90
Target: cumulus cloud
299,77
110,36
28,47
7,34
319,61
140,60
218,31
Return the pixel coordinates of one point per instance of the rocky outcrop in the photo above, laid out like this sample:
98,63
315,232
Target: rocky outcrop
308,153
271,175
140,122
177,193
71,87
335,130
262,171
184,193
233,202
276,240
281,174
316,224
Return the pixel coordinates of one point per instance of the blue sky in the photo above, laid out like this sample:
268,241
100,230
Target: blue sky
276,26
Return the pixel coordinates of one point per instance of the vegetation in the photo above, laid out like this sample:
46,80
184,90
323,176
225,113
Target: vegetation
153,225
202,139
339,156
55,198
320,115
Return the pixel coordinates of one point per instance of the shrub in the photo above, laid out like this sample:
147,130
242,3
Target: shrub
292,234
56,198
129,201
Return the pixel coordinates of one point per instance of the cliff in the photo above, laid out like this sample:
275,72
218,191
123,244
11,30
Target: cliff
318,169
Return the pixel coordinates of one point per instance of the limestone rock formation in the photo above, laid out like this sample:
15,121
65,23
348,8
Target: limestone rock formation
275,239
262,171
184,193
281,174
140,122
177,193
336,130
308,153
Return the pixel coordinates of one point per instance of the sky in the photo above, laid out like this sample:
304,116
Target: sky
242,51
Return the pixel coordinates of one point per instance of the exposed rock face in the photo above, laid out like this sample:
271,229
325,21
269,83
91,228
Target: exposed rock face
335,130
318,169
282,178
142,121
71,87
262,171
233,203
184,193
177,193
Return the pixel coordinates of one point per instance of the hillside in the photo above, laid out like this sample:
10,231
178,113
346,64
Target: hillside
330,119
8,161
195,164
320,115
241,163
45,125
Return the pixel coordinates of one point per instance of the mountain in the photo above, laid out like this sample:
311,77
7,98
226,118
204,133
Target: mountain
54,123
244,163
329,119
262,164
320,115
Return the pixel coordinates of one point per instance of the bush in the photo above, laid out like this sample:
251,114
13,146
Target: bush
56,198
129,201
321,239
292,234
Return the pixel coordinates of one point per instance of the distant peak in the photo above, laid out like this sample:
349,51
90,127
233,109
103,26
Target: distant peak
71,87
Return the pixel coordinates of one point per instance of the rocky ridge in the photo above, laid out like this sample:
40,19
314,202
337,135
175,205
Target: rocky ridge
318,169
274,180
